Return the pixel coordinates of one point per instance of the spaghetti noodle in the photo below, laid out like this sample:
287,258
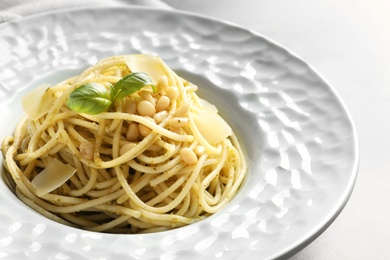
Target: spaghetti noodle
152,162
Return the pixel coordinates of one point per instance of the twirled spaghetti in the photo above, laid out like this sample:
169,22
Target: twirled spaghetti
137,168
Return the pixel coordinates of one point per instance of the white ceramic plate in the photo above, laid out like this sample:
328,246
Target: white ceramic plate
300,143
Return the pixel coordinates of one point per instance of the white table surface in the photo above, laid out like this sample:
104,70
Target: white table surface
348,42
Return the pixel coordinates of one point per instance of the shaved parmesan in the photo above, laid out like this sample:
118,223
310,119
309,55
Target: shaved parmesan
38,102
53,176
212,127
151,65
208,106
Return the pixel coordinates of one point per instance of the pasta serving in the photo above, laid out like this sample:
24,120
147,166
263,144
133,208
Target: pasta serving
89,155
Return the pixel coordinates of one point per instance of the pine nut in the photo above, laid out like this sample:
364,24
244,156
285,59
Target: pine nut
132,132
199,150
172,93
158,117
127,147
145,95
86,149
154,148
188,156
163,82
143,129
162,103
131,106
145,108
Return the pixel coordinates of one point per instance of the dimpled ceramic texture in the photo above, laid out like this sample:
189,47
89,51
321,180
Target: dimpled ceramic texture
298,138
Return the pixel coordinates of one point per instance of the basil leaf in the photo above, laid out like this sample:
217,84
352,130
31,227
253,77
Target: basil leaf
132,83
93,98
90,98
112,93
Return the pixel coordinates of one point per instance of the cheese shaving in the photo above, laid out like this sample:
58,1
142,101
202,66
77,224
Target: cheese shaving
38,102
54,175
